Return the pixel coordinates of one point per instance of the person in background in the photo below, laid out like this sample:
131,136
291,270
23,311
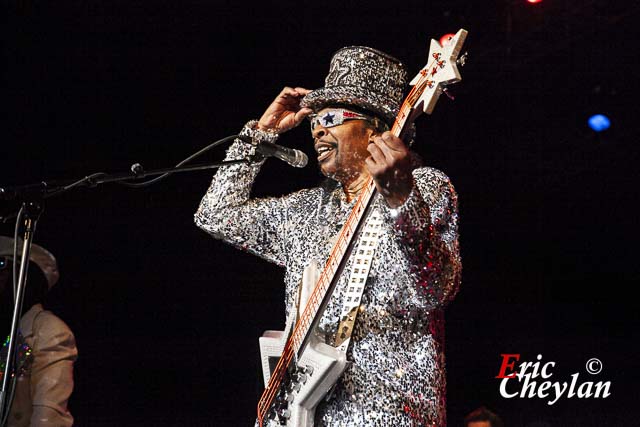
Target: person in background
46,349
482,417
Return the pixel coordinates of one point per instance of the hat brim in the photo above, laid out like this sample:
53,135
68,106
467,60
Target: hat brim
42,257
352,95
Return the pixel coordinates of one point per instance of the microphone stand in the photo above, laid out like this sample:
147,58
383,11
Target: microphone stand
31,212
32,197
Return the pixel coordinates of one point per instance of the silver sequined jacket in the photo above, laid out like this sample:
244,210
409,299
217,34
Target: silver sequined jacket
396,370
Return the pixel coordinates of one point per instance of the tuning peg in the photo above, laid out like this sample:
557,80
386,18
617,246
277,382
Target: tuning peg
462,59
449,95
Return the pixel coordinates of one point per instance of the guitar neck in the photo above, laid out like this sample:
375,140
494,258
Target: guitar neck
333,267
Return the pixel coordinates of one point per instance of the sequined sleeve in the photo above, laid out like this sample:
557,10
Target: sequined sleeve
227,212
426,225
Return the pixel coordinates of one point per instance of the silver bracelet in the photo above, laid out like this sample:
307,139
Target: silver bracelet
258,136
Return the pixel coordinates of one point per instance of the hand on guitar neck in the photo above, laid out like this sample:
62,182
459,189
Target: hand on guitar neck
390,166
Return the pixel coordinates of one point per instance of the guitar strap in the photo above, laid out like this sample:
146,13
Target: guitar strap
359,272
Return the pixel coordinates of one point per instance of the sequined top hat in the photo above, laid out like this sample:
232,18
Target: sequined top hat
362,77
42,257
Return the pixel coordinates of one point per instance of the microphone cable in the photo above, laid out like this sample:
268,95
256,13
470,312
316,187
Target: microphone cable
137,168
182,163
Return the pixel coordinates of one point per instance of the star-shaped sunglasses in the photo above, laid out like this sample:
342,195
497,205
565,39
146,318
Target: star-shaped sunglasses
335,117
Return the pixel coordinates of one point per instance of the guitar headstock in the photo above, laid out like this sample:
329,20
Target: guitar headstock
440,71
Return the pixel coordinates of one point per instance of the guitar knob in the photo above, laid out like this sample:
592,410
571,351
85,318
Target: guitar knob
296,387
308,370
285,413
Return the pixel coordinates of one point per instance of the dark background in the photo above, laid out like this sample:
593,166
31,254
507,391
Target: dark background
167,319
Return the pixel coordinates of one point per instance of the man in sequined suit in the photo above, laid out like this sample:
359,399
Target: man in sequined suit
395,374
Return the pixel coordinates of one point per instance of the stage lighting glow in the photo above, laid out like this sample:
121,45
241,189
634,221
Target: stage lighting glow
599,122
534,1
445,39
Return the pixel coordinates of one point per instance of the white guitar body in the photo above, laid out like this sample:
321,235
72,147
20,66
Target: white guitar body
319,366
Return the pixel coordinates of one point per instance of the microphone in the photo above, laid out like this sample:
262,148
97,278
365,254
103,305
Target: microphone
293,157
